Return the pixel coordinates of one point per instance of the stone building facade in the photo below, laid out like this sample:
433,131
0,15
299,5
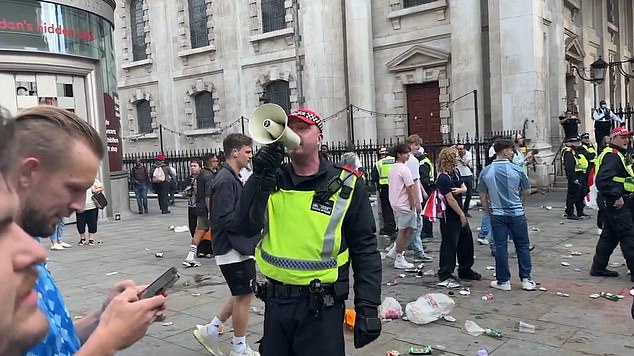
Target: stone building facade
195,67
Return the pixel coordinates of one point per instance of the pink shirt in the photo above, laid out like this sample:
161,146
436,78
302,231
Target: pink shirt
398,179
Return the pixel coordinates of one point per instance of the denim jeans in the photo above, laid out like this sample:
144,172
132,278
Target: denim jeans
517,228
485,230
58,233
415,242
141,197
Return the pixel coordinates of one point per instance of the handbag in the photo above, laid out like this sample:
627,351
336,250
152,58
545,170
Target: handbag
100,200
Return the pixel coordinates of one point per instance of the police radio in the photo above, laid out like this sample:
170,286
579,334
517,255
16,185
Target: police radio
269,124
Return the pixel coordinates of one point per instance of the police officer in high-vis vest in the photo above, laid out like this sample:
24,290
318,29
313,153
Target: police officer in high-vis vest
428,180
379,175
615,182
575,166
590,153
317,222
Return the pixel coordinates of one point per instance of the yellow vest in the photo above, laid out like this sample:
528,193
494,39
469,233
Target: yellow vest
383,167
302,238
432,173
628,182
581,162
591,150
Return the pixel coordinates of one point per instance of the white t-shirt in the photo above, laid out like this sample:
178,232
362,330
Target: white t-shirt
413,165
464,170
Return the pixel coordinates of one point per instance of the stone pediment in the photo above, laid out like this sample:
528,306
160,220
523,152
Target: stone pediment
417,56
574,49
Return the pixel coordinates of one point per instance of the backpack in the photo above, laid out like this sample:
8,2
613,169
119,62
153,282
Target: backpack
158,176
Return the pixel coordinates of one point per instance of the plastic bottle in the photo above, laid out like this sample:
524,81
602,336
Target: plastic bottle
483,352
609,296
493,333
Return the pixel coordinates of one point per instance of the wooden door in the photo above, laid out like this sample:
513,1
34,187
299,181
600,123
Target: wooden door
423,109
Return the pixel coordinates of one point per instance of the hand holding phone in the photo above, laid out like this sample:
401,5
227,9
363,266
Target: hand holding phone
165,281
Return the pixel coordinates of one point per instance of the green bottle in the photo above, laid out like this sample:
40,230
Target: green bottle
610,296
493,333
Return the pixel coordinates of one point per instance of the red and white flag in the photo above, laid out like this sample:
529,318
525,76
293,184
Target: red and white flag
591,197
435,206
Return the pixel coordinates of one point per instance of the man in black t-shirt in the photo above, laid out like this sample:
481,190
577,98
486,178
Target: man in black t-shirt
570,124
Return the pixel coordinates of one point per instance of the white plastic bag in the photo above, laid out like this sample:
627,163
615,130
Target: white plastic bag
429,308
472,328
390,309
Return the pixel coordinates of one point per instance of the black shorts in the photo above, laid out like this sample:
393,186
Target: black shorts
239,276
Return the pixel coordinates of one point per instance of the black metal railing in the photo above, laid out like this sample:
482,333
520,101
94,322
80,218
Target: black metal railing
366,150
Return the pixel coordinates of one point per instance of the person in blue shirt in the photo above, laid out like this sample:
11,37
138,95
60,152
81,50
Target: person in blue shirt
502,185
54,165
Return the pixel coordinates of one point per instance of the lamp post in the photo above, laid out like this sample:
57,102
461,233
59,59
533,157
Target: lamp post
597,75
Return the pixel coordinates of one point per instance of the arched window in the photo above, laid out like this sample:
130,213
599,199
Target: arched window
277,92
143,116
198,23
137,30
273,15
204,110
410,3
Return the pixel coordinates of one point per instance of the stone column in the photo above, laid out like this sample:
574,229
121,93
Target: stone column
361,66
466,66
529,65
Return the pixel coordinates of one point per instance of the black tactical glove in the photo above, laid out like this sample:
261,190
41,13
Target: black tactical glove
268,159
367,325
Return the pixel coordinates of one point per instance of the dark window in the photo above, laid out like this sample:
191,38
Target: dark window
273,13
410,3
65,90
137,30
143,116
277,92
198,23
204,110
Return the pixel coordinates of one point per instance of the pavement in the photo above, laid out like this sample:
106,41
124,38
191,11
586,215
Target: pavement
574,325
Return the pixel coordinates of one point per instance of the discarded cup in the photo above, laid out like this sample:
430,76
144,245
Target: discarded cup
159,255
403,275
525,328
465,291
393,353
575,253
543,289
169,323
195,294
565,264
594,296
560,294
487,296
568,245
449,318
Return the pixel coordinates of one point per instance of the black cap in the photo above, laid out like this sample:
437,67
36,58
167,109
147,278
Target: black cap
585,136
572,139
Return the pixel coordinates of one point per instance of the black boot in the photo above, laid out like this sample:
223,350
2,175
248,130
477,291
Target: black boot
603,273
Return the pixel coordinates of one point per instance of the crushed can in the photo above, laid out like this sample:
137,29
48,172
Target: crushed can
393,353
487,296
423,350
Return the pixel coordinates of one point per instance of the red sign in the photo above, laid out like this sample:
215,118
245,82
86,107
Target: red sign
45,28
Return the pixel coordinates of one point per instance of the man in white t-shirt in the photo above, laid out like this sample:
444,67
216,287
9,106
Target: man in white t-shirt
414,142
466,175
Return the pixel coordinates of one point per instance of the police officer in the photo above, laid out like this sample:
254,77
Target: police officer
428,180
615,182
318,223
575,166
590,153
379,175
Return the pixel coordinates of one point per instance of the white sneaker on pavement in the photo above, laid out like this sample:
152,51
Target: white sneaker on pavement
483,241
528,284
401,263
246,352
450,282
65,245
210,343
506,286
392,253
57,247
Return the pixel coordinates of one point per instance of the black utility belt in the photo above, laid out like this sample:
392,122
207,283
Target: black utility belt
284,291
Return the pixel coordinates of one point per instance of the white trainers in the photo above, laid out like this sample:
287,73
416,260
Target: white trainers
387,249
528,284
501,286
209,342
246,352
65,245
392,253
483,241
401,263
450,282
191,263
57,247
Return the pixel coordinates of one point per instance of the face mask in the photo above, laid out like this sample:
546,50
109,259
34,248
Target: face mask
604,106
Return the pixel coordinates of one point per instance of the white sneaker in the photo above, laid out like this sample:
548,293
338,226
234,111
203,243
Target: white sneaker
401,263
502,286
528,284
483,241
57,247
392,253
450,282
387,249
246,352
65,245
209,342
191,263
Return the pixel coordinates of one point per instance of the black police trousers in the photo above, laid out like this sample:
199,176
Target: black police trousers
618,227
292,329
574,197
389,225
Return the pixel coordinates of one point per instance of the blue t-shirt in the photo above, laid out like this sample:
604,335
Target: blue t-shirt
503,181
62,339
444,183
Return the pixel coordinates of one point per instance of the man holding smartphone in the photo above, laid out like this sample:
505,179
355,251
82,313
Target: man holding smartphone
234,253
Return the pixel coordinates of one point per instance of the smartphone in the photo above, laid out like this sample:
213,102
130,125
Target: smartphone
165,281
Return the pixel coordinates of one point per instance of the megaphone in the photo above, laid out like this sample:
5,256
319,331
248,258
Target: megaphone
269,124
